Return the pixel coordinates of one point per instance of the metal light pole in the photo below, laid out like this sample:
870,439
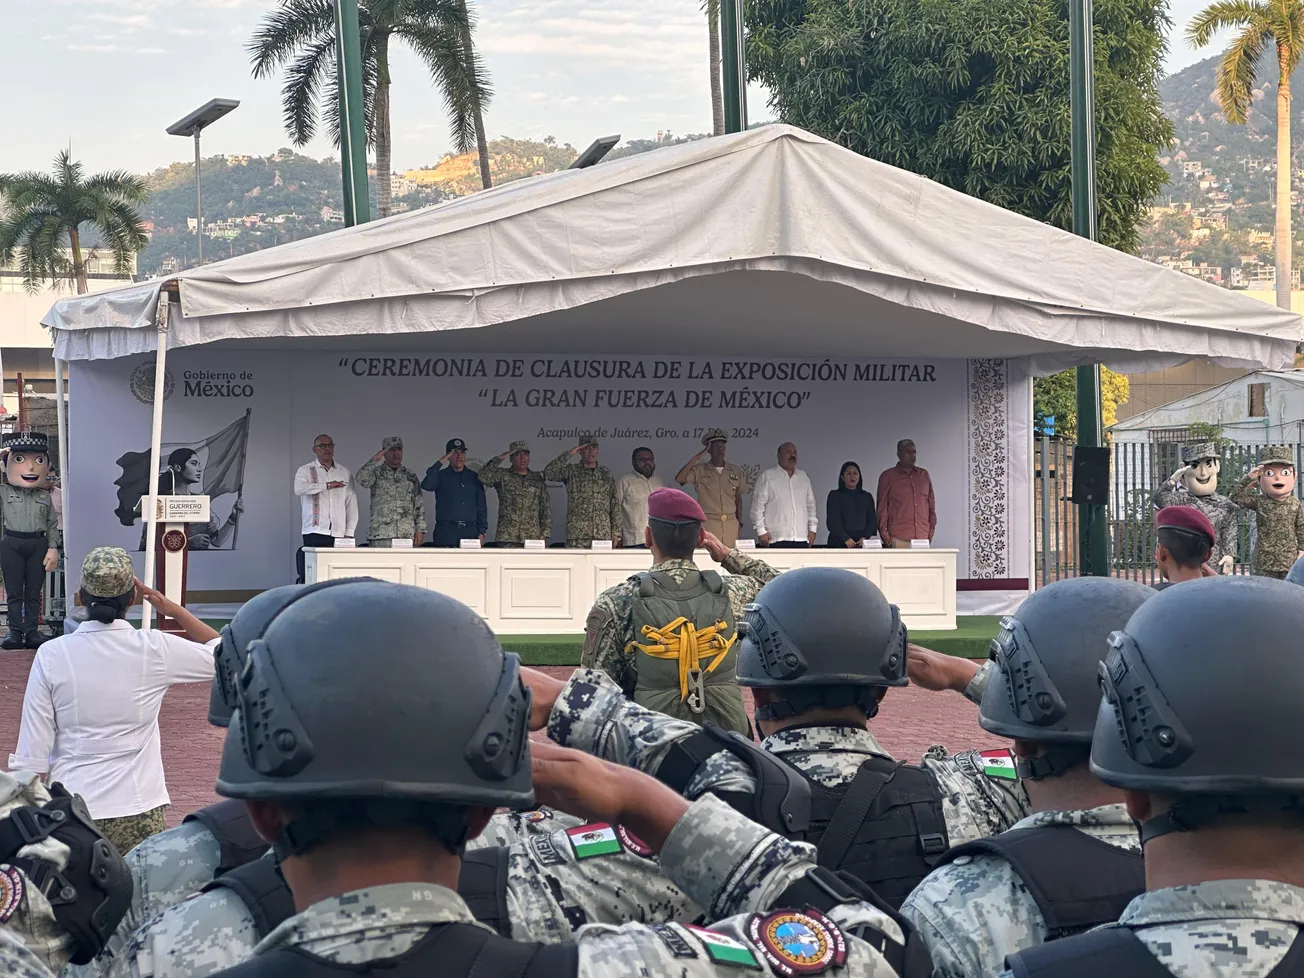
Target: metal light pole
353,121
733,63
1093,526
192,125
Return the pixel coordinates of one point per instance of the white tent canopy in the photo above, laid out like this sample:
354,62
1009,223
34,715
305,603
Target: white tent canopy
772,242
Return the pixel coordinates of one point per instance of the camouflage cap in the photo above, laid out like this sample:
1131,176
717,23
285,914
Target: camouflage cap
393,441
1193,453
589,440
714,434
518,446
107,572
1277,453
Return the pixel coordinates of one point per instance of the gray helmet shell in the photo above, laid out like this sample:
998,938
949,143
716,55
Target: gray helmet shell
248,624
366,689
821,626
1203,691
1045,687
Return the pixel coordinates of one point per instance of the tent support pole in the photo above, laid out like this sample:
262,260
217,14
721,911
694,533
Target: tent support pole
155,449
61,420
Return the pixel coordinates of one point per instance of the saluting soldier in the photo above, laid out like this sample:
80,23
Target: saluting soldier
398,510
720,486
524,509
592,512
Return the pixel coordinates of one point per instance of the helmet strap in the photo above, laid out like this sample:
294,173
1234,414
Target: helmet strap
325,820
1055,760
798,699
1194,812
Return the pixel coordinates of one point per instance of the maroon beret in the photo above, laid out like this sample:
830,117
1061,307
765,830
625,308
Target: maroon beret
674,506
1186,518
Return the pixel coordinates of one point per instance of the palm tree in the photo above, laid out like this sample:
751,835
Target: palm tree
1259,22
300,34
712,8
470,57
42,209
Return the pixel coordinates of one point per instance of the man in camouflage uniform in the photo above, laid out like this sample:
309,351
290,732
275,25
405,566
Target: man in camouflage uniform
524,509
611,642
1212,774
1278,514
978,906
592,512
408,838
976,792
398,510
1196,484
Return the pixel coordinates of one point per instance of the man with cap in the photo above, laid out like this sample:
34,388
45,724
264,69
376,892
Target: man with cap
1196,484
720,486
460,509
398,510
632,491
1278,515
667,636
524,509
1184,542
1075,862
29,547
820,648
591,509
1206,754
369,787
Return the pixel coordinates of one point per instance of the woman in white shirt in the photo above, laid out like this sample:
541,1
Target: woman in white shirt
90,713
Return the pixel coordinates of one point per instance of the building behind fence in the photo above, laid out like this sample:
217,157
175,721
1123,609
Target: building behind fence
1136,471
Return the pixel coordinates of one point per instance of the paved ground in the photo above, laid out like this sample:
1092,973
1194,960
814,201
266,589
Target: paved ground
911,720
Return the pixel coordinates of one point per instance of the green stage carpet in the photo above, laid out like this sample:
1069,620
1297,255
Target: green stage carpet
970,639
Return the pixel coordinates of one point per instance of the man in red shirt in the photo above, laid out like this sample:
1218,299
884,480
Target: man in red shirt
906,508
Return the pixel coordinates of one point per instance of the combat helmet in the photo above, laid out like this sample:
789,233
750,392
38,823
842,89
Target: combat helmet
1047,654
826,636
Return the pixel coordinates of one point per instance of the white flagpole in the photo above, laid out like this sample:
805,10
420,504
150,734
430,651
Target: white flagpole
155,449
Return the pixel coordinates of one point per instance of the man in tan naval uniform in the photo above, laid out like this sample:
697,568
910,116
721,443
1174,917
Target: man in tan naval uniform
720,486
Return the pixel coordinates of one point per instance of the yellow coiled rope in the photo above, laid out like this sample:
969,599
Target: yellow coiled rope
681,640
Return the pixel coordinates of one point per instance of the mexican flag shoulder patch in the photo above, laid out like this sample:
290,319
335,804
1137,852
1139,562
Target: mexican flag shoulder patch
594,839
723,949
998,764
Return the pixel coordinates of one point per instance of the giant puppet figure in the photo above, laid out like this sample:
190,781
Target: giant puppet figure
29,546
1196,484
1278,514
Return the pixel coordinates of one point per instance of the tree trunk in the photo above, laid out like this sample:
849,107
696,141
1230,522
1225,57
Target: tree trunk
477,116
78,266
717,91
384,147
1283,179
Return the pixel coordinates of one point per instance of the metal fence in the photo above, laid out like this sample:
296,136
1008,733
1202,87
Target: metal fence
1136,470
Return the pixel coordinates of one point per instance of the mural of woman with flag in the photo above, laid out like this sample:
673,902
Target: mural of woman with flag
214,466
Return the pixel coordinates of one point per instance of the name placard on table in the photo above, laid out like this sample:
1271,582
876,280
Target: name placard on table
347,543
536,545
401,543
871,543
601,545
920,544
472,544
746,544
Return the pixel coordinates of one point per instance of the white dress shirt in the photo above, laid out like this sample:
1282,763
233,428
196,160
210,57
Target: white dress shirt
784,505
632,490
90,713
329,511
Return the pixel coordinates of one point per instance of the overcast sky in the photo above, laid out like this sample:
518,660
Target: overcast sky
111,75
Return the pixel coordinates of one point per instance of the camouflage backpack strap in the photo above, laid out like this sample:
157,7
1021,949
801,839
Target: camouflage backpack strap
713,581
1112,951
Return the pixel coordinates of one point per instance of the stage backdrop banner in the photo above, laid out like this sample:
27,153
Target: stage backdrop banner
240,423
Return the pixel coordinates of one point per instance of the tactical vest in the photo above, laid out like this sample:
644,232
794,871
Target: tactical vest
237,839
885,826
263,890
684,648
449,951
1078,882
1118,953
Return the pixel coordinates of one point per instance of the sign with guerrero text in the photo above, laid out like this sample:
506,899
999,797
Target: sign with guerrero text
237,425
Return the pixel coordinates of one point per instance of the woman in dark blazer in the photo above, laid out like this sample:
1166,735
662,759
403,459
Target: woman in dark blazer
849,511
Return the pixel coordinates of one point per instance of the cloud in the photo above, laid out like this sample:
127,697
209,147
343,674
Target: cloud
121,20
94,48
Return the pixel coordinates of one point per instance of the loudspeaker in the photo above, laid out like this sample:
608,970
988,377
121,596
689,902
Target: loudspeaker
1090,475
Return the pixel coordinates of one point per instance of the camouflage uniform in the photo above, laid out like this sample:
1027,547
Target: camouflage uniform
524,509
726,863
1220,510
973,912
130,831
592,512
398,510
1218,929
550,894
592,715
18,962
609,628
507,828
1280,523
